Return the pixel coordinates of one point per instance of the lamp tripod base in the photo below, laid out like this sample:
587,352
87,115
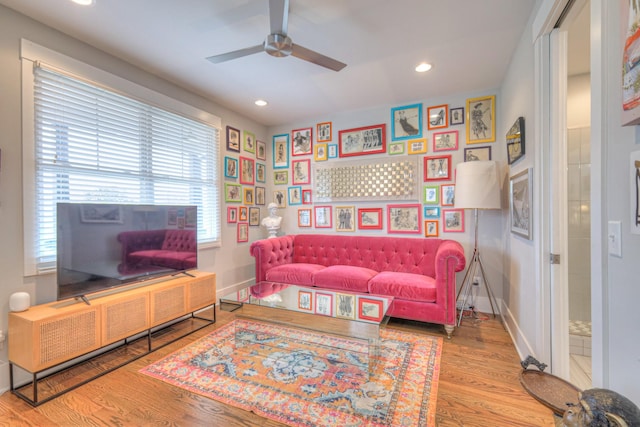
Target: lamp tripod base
467,285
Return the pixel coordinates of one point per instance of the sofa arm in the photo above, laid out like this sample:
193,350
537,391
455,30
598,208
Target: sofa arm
449,260
270,253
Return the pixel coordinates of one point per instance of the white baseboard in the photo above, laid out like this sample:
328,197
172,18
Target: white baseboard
519,340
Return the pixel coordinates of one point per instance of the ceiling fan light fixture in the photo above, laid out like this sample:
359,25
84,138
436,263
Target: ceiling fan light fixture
423,67
261,103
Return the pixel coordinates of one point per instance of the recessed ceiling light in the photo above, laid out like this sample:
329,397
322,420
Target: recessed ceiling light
261,102
83,2
423,67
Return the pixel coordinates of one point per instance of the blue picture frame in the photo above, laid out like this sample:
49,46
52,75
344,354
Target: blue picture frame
230,167
406,122
332,151
281,151
295,195
431,212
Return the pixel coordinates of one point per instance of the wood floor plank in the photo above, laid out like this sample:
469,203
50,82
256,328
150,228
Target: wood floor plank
479,386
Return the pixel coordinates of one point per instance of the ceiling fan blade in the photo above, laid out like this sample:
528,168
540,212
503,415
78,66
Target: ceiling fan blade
279,16
317,58
216,59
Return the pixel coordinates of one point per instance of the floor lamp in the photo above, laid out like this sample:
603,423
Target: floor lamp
477,187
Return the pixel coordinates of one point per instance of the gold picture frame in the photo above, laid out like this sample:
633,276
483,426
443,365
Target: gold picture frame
481,119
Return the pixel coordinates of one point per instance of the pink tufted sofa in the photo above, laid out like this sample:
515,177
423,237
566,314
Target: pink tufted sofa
419,273
176,249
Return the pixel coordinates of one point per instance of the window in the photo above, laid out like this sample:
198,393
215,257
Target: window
93,144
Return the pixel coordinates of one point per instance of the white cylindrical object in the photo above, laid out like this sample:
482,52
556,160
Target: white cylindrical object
19,301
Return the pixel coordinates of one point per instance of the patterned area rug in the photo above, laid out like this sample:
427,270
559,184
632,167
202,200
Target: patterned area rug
302,378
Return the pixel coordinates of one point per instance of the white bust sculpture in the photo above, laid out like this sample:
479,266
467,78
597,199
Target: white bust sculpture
272,222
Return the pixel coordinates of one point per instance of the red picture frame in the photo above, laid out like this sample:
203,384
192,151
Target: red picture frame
453,220
363,140
242,232
437,168
232,215
302,141
307,198
370,218
305,300
247,171
370,309
445,141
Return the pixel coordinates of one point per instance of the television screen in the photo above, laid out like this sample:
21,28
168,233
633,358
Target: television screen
101,246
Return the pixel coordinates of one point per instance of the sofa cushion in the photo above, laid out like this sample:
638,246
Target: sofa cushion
415,287
344,277
297,274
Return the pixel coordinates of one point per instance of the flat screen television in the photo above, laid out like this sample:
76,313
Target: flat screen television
102,246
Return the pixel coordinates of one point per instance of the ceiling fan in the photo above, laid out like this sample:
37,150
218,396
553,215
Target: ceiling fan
279,44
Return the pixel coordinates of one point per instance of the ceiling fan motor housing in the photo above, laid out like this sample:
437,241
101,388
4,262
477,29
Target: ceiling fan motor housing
278,45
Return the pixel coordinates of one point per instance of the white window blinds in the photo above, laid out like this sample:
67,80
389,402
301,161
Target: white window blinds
96,145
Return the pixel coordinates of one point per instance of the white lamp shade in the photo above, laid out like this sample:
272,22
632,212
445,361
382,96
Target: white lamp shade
477,185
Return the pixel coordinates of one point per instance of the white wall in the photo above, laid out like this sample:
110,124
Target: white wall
232,263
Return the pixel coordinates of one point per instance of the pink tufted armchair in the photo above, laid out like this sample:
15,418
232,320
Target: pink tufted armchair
419,273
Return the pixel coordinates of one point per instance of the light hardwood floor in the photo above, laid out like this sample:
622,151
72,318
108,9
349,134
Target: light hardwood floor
479,386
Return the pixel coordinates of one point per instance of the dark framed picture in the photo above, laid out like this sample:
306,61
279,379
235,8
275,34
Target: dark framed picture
295,195
230,167
305,301
437,117
322,216
304,217
521,203
370,218
232,214
307,197
324,304
404,219
445,141
261,172
260,196
280,151
249,142
481,119
370,309
232,193
247,167
261,150
346,305
346,218
406,122
233,139
448,194
302,141
472,154
242,232
323,132
515,141
437,168
456,116
301,172
453,220
431,228
364,140
254,216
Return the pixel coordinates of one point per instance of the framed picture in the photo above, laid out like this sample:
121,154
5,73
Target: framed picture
417,146
302,141
323,132
232,214
515,141
230,167
431,212
346,218
99,213
472,154
346,306
295,195
232,193
431,228
254,216
243,213
333,151
280,151
260,196
322,216
233,139
300,173
305,301
324,304
370,309
320,152
406,122
248,142
448,194
261,150
280,177
445,141
481,119
261,172
304,217
396,148
404,219
248,195
438,117
306,197
243,295
456,116
520,203
280,199
437,168
453,220
242,234
364,140
370,218
247,166
431,195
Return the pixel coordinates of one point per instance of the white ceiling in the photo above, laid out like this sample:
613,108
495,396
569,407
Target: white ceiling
469,43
